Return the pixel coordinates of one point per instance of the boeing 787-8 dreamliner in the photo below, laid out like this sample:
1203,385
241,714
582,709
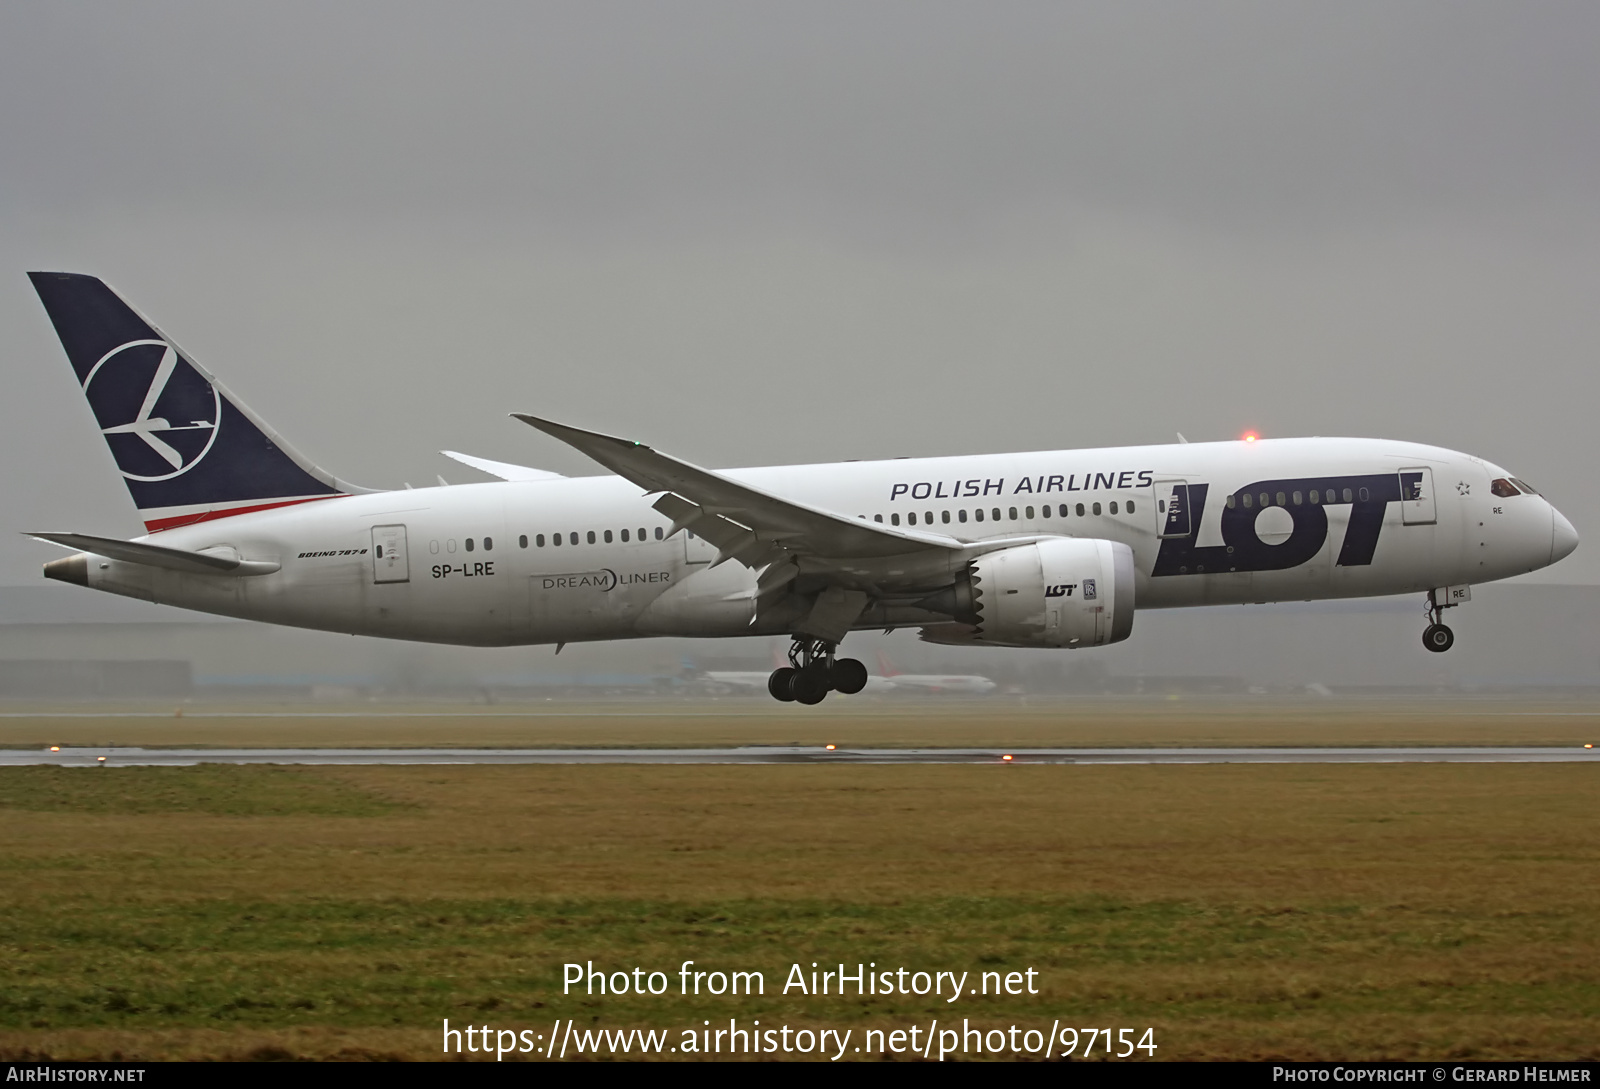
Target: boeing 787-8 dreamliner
1049,549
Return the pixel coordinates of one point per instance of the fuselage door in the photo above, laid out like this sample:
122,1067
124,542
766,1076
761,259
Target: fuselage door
1172,508
389,561
1416,497
696,549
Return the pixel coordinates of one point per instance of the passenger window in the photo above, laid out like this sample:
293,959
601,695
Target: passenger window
539,540
488,544
1503,488
1330,495
944,516
1028,512
522,541
1113,506
433,546
894,519
1045,511
1014,514
877,518
1281,500
450,545
1363,494
1064,510
1097,508
555,539
1266,500
961,516
927,518
1249,500
1296,498
911,518
978,514
1314,497
642,533
589,536
1348,496
608,536
1080,510
572,538
469,544
997,514
1130,506
658,533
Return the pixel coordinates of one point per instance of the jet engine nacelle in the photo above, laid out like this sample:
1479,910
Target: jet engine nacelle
1067,592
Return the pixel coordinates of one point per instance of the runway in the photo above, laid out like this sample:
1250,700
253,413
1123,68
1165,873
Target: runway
775,754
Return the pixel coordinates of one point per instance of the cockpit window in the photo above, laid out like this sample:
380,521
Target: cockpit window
1503,488
1523,485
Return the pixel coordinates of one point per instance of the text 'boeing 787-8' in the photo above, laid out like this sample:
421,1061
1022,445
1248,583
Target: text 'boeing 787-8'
1048,549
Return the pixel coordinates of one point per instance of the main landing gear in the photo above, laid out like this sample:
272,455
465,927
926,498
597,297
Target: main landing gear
1436,637
813,672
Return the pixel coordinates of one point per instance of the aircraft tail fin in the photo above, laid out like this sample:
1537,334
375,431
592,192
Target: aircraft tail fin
884,667
188,450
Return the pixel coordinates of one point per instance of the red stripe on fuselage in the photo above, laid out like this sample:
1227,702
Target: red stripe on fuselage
212,515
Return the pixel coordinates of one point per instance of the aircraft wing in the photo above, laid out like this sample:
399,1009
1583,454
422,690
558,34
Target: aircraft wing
744,523
502,469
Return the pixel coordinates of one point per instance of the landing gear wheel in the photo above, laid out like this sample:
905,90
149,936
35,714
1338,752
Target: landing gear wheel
848,676
809,686
813,672
1438,638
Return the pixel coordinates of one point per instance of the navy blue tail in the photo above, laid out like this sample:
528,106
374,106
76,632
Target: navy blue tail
188,450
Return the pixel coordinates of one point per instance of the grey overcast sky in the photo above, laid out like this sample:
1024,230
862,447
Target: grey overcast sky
758,233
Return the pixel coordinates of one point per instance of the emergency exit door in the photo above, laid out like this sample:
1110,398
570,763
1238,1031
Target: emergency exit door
389,560
1416,497
696,549
1172,508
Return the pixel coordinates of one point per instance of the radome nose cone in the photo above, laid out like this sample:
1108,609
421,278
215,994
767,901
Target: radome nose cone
1563,538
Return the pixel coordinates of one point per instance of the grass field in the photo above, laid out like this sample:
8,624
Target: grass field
1349,911
901,722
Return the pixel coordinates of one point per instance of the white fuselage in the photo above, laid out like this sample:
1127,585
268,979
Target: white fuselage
465,564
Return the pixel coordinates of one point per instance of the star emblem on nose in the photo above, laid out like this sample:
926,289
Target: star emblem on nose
1463,488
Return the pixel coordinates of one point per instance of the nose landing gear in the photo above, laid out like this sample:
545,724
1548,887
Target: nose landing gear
1436,637
813,672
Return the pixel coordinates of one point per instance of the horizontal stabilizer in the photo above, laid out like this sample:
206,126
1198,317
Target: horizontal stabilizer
214,562
502,469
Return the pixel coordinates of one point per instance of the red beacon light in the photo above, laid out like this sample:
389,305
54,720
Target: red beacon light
1250,436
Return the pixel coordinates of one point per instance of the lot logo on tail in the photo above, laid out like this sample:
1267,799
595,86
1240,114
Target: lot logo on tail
159,415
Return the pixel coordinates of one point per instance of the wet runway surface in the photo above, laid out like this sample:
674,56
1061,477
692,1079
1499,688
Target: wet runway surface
774,754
